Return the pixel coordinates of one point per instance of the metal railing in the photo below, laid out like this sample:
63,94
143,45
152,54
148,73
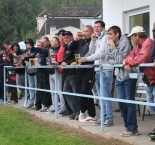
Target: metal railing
56,91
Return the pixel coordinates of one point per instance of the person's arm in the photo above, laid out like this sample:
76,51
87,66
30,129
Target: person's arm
99,54
143,56
117,54
92,47
71,53
40,50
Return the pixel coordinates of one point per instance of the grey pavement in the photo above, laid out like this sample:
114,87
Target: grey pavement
109,132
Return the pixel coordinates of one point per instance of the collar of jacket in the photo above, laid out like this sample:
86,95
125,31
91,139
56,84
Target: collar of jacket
104,32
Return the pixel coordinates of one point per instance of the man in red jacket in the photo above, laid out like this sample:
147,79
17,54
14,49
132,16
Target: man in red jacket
141,53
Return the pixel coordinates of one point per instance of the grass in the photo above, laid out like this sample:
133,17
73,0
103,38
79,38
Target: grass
18,127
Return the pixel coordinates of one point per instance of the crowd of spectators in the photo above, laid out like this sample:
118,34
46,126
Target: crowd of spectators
94,45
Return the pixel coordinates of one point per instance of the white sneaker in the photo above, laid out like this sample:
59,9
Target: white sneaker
108,123
89,119
81,116
43,109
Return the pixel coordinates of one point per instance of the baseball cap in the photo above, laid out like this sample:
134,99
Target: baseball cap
60,32
68,33
29,40
136,29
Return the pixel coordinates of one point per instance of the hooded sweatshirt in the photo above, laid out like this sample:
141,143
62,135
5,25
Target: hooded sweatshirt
117,55
98,50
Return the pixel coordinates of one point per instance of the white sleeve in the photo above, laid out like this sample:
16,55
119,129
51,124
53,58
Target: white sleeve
102,45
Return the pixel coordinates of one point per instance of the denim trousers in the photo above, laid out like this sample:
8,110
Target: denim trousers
107,84
52,87
126,90
20,82
33,84
150,93
71,84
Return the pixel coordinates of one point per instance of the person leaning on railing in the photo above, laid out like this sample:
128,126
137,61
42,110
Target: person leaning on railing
125,87
141,53
97,53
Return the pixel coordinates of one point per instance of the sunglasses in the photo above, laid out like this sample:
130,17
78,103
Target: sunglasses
27,42
153,31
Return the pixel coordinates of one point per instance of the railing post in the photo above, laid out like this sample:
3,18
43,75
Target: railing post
56,94
101,100
4,84
26,97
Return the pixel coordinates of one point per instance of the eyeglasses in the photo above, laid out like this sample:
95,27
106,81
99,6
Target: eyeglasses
27,42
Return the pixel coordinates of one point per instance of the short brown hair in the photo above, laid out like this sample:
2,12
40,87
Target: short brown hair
6,41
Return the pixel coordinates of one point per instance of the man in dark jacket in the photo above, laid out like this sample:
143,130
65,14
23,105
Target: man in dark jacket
11,74
86,77
43,78
70,80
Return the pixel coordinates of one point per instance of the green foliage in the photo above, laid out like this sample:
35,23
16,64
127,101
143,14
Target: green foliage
51,4
18,19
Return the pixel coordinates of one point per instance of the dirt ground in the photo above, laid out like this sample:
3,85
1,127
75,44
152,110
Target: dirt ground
91,138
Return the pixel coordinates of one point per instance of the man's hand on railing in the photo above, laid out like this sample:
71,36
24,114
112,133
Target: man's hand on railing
82,59
73,63
127,67
63,63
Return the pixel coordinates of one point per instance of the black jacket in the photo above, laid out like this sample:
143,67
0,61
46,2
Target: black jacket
69,56
82,49
20,71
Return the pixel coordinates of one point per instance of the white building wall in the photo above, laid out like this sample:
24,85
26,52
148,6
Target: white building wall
114,10
40,23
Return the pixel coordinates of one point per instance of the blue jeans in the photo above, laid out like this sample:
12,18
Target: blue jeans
150,93
33,84
20,82
107,83
126,90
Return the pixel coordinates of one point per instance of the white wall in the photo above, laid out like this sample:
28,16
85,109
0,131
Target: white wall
40,23
113,11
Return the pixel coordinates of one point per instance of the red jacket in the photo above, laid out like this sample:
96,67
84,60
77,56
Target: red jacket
60,55
142,55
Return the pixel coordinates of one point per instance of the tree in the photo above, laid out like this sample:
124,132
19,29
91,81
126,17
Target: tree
18,19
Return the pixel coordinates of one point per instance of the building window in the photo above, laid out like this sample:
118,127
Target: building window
140,20
137,17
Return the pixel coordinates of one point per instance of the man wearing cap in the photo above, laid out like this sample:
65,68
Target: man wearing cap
70,79
141,53
60,34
